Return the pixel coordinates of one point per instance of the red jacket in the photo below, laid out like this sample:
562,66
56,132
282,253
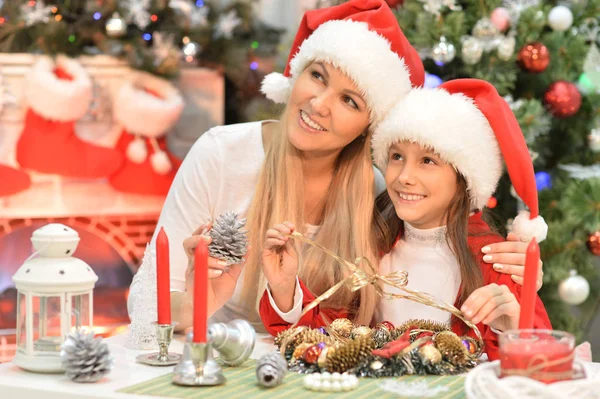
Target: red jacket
481,236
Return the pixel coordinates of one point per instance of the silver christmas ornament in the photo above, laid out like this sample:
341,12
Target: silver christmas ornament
506,48
487,33
270,369
472,50
116,26
229,238
443,52
575,289
85,358
234,341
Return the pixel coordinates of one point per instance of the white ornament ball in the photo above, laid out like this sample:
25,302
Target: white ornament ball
574,290
161,163
137,151
443,52
560,18
506,48
472,50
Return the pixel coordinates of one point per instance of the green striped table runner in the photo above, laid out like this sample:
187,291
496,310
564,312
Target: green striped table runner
241,384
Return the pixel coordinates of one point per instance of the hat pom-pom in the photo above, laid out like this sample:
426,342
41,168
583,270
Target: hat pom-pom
526,228
276,87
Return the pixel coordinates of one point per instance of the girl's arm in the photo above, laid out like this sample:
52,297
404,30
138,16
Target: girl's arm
317,317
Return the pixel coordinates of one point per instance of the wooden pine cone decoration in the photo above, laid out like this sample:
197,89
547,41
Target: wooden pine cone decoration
348,355
421,325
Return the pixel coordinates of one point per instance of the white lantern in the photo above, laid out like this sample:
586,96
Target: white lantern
54,296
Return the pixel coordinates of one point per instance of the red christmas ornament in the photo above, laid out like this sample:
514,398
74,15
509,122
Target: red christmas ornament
387,325
492,202
593,242
563,99
534,57
311,355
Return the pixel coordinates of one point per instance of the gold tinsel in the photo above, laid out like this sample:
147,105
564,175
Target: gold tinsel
342,327
451,347
348,355
420,324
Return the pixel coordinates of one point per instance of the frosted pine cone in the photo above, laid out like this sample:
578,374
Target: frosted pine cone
270,369
85,358
229,238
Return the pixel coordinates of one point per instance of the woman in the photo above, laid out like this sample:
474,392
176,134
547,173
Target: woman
313,167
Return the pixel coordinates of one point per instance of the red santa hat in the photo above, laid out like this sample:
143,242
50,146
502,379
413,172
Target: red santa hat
363,39
473,128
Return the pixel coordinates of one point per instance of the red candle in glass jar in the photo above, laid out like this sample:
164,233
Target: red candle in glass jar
163,278
544,355
200,292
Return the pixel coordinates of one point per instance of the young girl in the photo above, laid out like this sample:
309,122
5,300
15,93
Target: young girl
434,265
442,154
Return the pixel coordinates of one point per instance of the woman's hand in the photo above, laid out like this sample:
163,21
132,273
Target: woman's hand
223,278
280,265
493,305
508,257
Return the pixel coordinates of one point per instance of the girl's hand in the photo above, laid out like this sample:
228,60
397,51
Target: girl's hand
493,305
280,264
508,257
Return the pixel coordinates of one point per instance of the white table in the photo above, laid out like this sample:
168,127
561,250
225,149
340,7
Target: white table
16,383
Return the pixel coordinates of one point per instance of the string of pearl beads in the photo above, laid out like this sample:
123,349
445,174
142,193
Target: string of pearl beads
328,382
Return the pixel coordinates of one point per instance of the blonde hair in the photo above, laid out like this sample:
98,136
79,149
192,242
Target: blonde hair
346,222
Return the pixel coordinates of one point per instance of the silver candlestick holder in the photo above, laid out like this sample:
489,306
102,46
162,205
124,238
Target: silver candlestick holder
234,341
164,336
197,366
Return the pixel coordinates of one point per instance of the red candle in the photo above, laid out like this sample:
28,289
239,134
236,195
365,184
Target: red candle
532,260
200,291
163,278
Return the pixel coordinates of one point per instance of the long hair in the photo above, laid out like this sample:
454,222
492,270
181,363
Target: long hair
457,233
346,222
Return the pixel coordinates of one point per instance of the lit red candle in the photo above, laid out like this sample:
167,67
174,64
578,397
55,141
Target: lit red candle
200,291
532,260
163,278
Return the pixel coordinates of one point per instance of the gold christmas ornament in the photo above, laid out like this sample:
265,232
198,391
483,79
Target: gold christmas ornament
381,336
300,349
451,347
348,355
430,353
342,326
361,331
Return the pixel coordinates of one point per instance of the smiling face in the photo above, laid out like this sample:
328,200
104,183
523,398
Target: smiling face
325,110
420,185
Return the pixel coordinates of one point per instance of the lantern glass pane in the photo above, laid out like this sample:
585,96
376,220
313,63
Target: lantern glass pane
21,321
47,333
80,311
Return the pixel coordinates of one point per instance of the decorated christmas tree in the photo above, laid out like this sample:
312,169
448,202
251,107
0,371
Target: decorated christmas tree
543,57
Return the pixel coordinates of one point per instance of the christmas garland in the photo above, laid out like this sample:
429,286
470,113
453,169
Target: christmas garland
156,36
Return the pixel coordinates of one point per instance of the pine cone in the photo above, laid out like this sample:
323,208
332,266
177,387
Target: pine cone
349,355
270,369
85,358
315,337
451,347
419,324
229,239
342,327
291,336
381,336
